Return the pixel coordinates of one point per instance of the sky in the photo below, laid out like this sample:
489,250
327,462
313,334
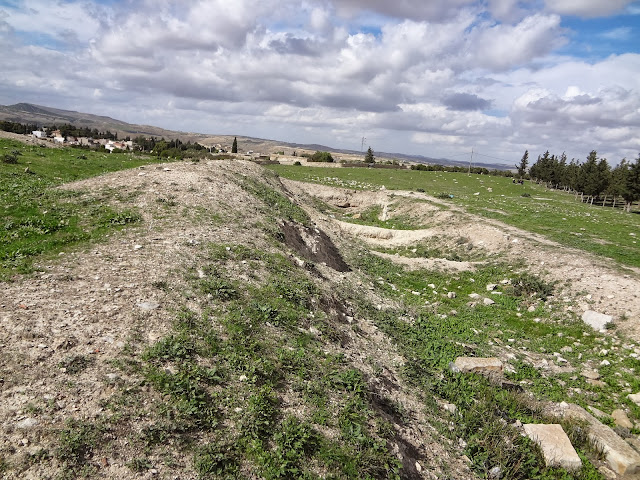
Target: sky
438,78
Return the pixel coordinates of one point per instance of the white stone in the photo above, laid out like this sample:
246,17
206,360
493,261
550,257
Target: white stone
491,287
488,301
635,398
555,445
597,321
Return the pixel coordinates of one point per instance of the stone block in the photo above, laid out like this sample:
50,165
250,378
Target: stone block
555,445
482,365
621,419
622,459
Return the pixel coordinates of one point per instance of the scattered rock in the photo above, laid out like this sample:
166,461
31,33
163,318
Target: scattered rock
148,306
597,321
27,423
478,365
450,407
495,472
555,445
531,309
635,398
591,374
451,294
488,301
491,287
474,296
622,459
622,420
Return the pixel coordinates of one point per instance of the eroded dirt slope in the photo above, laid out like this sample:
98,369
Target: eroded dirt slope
587,282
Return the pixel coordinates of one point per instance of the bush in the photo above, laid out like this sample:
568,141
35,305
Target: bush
321,157
526,195
297,163
10,158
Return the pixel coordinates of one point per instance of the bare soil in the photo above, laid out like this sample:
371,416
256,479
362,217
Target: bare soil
586,282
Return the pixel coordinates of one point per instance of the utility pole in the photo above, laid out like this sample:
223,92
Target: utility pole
470,161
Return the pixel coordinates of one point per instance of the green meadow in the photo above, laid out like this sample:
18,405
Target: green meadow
36,218
557,215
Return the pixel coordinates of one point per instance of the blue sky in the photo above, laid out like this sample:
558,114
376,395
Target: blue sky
434,78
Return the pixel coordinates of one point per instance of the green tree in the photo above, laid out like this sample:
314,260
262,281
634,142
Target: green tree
234,147
369,157
524,162
321,157
632,190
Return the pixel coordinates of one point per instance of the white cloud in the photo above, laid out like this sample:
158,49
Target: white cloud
411,75
587,8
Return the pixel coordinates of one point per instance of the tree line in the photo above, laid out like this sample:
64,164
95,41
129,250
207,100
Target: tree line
66,130
594,179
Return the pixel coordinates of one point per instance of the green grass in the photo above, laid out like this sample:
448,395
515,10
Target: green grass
37,219
556,215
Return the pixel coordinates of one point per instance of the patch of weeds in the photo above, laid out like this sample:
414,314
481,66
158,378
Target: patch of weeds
172,348
216,460
294,442
444,195
10,158
531,285
77,442
218,288
187,390
261,413
278,203
139,464
125,217
75,364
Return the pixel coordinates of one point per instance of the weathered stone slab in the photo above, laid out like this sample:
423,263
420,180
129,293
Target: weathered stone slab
555,445
597,321
635,398
478,365
620,417
622,459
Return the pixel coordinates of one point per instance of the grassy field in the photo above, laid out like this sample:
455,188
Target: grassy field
36,218
556,215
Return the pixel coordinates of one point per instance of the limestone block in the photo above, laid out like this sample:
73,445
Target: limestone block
622,459
478,365
621,419
555,445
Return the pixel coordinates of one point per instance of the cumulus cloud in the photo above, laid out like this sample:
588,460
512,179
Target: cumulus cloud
587,8
465,101
410,74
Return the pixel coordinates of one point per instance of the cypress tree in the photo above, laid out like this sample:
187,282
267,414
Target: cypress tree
234,147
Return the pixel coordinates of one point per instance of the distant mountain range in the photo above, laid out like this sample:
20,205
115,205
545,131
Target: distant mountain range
43,116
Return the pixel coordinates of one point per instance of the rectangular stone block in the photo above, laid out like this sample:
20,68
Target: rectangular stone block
478,365
555,445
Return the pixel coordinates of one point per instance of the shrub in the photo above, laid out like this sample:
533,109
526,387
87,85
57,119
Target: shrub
321,157
10,158
297,163
526,195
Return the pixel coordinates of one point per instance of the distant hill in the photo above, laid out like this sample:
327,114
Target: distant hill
42,115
